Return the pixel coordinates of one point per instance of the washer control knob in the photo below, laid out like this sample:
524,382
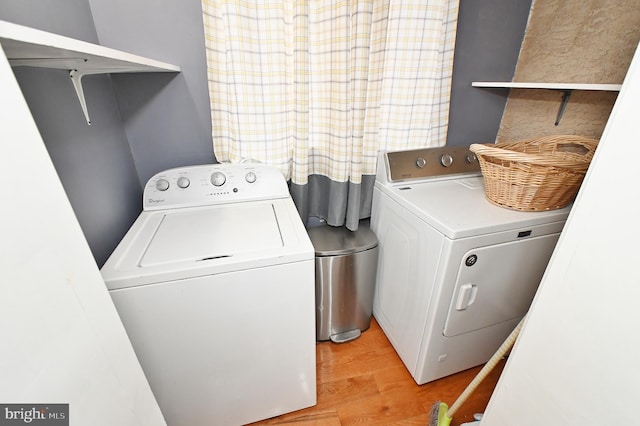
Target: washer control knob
471,158
421,162
250,177
446,160
218,179
183,182
162,185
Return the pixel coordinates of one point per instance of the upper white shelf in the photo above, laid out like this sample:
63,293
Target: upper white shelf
567,88
551,86
31,47
26,46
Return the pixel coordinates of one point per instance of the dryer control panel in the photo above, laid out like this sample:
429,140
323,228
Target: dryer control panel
212,184
426,163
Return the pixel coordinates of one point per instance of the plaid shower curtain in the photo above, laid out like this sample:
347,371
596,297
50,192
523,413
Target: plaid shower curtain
317,88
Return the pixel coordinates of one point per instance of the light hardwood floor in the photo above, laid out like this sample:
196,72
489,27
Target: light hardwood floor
364,382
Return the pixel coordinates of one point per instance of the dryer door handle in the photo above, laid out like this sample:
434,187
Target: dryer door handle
466,296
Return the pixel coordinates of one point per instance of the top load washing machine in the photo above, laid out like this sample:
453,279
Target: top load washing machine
455,272
214,283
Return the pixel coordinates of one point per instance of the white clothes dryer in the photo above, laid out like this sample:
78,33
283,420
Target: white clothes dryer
455,272
214,283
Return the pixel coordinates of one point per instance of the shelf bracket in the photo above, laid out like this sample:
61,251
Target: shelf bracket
76,79
563,105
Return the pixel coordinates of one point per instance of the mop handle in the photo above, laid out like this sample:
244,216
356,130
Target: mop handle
493,361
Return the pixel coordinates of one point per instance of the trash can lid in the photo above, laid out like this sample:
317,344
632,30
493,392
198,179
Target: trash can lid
338,240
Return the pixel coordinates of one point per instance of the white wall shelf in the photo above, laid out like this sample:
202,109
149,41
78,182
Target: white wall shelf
567,88
26,46
550,86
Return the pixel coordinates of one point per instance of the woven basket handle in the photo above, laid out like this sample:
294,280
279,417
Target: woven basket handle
505,154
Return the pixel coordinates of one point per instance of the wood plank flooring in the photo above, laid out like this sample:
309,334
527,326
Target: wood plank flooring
364,382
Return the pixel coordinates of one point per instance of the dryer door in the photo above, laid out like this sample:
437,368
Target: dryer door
497,283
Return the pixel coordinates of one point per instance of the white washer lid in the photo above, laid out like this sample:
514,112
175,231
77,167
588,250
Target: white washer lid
199,235
176,244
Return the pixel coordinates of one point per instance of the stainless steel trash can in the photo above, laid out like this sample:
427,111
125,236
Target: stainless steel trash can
346,264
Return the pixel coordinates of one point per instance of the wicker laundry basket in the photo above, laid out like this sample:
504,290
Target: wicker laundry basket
537,174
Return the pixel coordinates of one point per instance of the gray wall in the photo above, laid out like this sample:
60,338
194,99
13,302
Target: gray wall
145,123
488,41
93,162
167,118
141,124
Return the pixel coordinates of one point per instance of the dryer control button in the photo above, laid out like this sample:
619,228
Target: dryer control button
218,179
421,162
162,185
446,160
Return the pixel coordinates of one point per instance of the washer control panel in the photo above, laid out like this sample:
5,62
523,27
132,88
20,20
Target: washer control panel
211,184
